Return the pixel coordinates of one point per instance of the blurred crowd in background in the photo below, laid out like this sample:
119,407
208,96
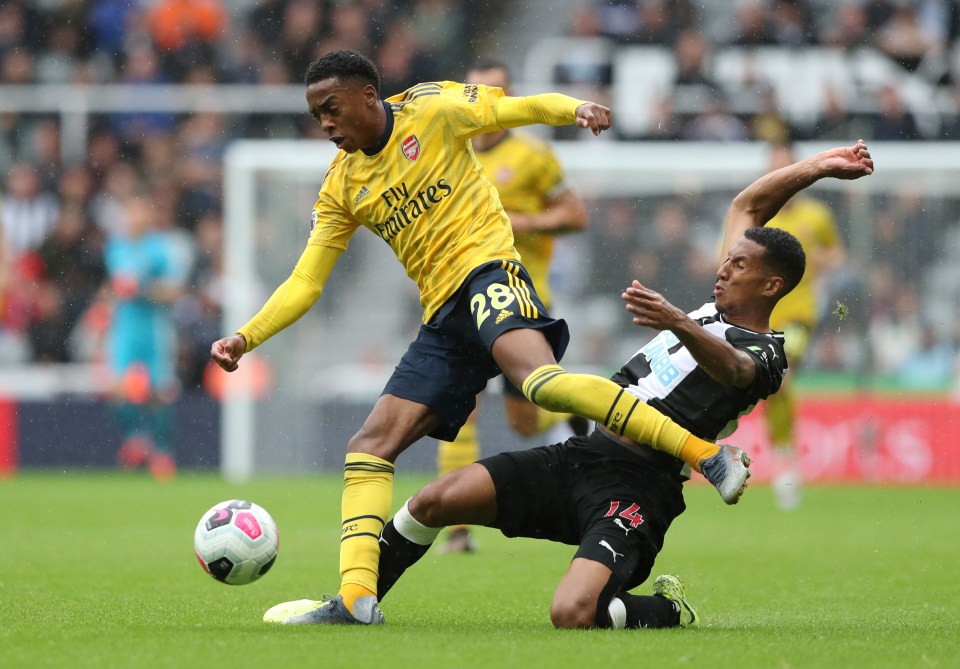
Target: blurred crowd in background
57,218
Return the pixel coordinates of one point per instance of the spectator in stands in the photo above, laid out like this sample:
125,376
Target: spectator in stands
617,19
658,24
769,124
754,27
399,60
28,213
106,206
266,20
835,121
917,229
848,28
585,66
17,67
895,335
930,366
303,23
692,53
108,21
613,243
201,143
793,24
349,29
185,32
716,124
72,260
666,252
66,46
21,27
893,122
441,35
665,124
905,39
103,152
141,67
75,188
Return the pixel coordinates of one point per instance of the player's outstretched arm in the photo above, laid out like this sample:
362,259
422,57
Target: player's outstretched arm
552,109
287,304
723,362
762,199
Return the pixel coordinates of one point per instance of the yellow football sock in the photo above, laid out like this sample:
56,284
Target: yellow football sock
460,452
367,496
603,401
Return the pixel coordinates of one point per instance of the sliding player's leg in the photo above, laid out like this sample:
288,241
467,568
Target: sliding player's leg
464,497
625,505
590,595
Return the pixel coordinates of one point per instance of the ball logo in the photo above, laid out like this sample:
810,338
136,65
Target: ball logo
248,524
219,518
411,147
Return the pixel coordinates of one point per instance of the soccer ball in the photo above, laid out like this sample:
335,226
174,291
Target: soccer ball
236,542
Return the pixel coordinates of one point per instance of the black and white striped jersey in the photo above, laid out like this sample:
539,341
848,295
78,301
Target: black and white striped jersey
664,374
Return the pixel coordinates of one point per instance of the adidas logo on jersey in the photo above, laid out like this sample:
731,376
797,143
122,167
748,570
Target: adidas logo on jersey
504,314
362,194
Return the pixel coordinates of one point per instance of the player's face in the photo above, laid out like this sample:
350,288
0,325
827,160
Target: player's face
743,280
346,111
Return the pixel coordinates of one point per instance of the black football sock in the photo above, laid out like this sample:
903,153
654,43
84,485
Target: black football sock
401,547
650,611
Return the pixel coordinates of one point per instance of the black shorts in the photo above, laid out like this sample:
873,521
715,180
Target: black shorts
592,492
450,361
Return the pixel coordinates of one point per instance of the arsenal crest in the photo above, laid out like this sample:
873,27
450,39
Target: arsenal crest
411,147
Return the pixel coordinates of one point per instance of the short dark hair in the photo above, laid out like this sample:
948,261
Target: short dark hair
782,254
343,65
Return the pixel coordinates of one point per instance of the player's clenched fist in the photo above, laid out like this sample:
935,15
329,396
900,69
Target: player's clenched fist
227,352
593,116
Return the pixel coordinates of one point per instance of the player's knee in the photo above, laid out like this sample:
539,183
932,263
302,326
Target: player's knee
577,612
373,443
427,506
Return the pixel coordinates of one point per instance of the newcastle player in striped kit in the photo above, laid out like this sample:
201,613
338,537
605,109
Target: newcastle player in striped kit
615,498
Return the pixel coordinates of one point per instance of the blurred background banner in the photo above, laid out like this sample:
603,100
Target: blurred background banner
196,108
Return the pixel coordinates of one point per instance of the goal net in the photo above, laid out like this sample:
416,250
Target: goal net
656,213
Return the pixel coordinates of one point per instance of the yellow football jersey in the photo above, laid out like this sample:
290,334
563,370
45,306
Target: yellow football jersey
528,176
423,192
811,222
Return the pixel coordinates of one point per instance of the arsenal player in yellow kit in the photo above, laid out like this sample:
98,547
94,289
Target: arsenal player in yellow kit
406,171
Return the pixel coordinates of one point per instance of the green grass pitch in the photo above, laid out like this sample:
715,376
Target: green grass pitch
97,570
